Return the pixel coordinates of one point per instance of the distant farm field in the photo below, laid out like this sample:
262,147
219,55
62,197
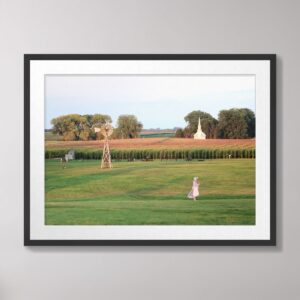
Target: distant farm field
155,143
150,193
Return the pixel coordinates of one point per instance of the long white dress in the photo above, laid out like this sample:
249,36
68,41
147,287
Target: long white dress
194,191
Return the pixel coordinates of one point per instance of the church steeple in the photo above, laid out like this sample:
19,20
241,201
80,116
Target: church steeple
199,125
199,135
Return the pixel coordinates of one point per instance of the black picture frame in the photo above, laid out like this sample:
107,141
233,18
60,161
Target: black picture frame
32,242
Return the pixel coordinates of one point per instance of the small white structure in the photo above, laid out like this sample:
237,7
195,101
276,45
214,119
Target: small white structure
199,135
70,155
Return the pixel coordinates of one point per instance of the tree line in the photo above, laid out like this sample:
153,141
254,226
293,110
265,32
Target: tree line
75,127
231,124
235,123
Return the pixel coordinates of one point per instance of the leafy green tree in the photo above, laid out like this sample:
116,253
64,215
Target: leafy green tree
179,133
236,123
74,127
188,132
128,126
100,119
208,124
68,126
249,117
58,126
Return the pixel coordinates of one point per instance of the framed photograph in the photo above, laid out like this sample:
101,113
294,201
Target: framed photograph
150,149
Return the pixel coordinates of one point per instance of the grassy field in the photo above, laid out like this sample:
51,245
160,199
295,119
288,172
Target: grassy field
140,193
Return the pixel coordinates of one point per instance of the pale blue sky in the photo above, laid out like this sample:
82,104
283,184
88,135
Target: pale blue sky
157,101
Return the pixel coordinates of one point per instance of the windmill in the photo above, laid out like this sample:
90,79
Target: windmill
106,130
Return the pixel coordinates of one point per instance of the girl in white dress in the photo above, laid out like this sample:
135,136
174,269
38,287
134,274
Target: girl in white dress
194,193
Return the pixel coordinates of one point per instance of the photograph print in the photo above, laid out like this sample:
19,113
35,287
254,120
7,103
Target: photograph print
149,151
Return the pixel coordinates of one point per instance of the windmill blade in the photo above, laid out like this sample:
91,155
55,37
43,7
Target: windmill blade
109,131
105,129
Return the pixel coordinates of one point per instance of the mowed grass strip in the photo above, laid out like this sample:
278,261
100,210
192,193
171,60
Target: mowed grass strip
141,193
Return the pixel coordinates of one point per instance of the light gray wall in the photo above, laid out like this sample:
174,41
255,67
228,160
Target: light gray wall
148,26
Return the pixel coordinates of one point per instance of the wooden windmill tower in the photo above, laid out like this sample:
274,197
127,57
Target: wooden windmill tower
106,130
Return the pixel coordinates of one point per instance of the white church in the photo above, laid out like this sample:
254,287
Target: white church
199,135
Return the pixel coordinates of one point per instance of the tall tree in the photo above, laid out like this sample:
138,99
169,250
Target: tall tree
128,126
75,127
69,126
208,124
179,133
236,123
100,119
249,117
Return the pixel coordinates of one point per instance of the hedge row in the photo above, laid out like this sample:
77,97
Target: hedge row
157,154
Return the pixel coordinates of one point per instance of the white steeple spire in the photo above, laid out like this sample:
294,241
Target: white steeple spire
199,135
199,125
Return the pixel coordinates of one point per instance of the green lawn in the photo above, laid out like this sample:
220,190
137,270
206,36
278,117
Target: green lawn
140,193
